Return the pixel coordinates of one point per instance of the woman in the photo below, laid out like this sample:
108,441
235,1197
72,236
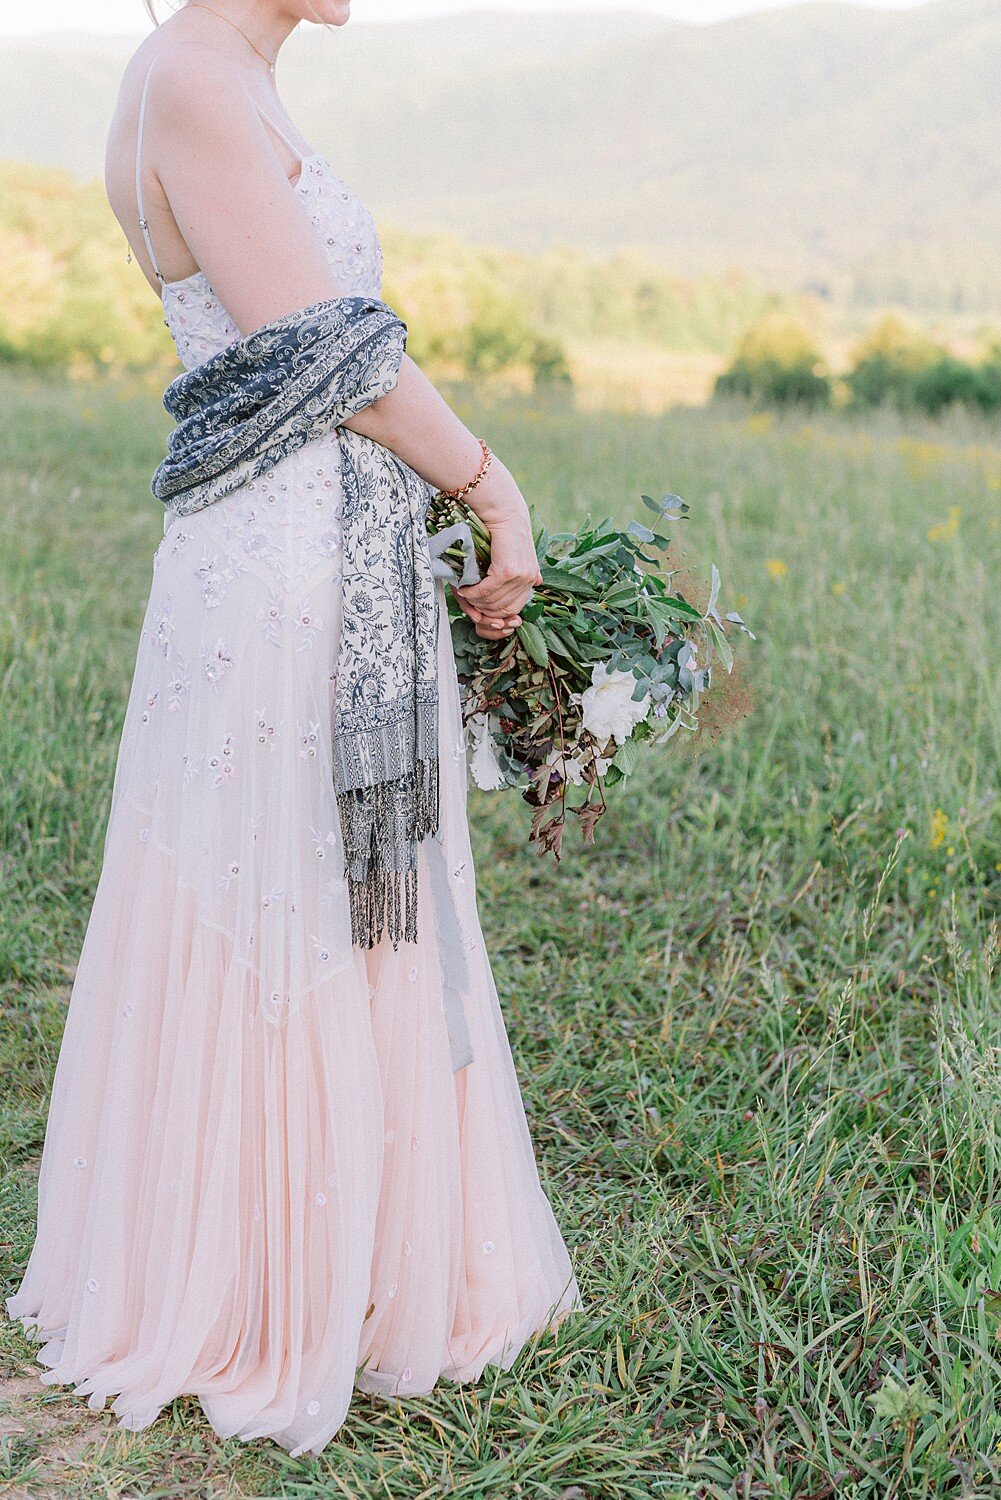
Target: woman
271,1171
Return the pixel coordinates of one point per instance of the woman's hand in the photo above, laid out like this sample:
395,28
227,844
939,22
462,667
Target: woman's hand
494,603
415,422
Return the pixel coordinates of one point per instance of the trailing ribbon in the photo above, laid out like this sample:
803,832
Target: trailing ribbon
442,567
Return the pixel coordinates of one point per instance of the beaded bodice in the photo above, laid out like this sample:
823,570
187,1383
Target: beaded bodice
285,528
199,324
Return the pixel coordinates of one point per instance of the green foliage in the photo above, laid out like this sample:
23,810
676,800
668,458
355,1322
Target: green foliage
900,366
606,617
888,361
466,302
777,364
68,297
954,382
548,362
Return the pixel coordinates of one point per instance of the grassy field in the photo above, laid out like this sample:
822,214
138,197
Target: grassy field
757,1027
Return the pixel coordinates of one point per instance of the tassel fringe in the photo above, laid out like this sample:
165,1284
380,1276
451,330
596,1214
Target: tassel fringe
382,827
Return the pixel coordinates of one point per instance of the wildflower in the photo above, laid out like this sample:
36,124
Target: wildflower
838,589
946,529
776,568
938,829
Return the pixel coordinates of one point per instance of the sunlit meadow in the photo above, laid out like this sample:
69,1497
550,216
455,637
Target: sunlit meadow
757,1025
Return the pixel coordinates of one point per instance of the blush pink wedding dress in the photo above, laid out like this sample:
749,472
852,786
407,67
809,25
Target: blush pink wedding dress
262,1181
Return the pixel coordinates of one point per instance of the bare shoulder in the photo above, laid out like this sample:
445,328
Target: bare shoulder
194,89
191,77
189,83
197,93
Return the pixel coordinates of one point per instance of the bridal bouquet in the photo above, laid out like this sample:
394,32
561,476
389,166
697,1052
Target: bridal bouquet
610,656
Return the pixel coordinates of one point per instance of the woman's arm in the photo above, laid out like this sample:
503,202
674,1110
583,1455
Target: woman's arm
417,423
249,233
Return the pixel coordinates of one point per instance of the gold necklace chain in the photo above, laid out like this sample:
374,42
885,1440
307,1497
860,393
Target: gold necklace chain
197,5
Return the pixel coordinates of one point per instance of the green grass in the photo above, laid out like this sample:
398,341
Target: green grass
757,1026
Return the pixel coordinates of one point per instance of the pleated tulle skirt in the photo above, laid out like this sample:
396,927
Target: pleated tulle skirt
262,1182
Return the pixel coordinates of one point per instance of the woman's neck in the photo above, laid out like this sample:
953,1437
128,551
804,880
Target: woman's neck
265,25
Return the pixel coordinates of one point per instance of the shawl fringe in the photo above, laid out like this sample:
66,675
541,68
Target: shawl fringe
381,826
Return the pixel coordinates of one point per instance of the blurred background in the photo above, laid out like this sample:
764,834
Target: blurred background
635,201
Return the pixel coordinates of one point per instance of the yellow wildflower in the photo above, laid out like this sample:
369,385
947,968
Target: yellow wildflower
838,588
761,422
946,529
938,829
920,456
776,568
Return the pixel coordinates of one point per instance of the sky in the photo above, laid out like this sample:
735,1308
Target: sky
29,17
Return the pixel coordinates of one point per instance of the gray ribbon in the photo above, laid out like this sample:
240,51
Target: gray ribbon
442,568
452,953
448,928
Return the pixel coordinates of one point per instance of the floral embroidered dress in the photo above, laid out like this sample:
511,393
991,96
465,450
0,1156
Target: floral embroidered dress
262,1181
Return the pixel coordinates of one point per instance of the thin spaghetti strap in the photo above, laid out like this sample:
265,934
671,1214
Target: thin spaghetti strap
280,132
139,192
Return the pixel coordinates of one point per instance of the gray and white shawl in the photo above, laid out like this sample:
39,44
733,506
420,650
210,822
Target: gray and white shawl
238,414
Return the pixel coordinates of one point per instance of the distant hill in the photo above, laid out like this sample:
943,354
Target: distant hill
801,143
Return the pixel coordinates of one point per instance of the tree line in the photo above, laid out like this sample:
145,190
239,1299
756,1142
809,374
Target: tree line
71,300
778,363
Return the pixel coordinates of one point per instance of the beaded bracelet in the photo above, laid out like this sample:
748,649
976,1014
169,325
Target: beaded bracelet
484,466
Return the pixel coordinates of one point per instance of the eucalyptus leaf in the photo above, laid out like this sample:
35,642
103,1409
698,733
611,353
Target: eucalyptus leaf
714,595
735,619
600,547
722,645
675,509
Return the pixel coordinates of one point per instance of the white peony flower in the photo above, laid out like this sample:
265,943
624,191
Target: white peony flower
484,765
608,704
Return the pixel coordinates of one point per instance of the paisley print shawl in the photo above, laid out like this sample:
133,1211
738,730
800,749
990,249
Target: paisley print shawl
238,414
